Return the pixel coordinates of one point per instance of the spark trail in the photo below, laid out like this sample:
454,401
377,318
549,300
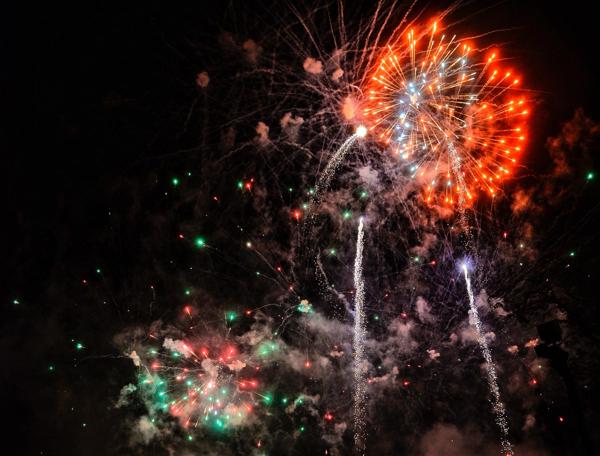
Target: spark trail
336,160
359,344
498,405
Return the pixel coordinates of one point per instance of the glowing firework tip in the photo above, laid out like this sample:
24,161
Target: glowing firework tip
361,131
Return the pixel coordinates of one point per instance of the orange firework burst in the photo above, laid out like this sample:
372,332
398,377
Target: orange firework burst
448,112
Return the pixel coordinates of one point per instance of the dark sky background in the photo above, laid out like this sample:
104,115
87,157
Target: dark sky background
95,97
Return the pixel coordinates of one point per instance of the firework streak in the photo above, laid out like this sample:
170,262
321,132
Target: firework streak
333,164
359,343
492,378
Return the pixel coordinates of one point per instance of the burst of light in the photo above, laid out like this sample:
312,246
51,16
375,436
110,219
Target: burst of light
361,131
200,242
450,109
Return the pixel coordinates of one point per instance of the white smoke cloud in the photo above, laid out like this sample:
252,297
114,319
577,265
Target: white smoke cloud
369,176
236,365
529,422
135,358
251,50
291,125
424,310
337,74
433,354
262,130
202,79
126,391
178,346
313,66
144,431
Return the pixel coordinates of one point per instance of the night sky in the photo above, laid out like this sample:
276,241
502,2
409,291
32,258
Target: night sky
145,205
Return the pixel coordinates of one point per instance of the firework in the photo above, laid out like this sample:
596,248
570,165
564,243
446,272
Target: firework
447,112
201,385
359,342
498,405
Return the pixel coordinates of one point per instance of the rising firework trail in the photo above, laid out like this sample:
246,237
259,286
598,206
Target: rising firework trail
492,378
337,158
359,343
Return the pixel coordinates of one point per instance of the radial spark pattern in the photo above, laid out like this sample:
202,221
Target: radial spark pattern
449,113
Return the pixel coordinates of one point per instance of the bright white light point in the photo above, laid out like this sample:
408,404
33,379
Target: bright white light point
464,266
249,244
361,131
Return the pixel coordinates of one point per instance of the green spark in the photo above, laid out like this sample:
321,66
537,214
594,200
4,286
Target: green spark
200,242
268,399
347,215
175,182
79,346
590,176
240,185
16,301
230,316
267,347
572,253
